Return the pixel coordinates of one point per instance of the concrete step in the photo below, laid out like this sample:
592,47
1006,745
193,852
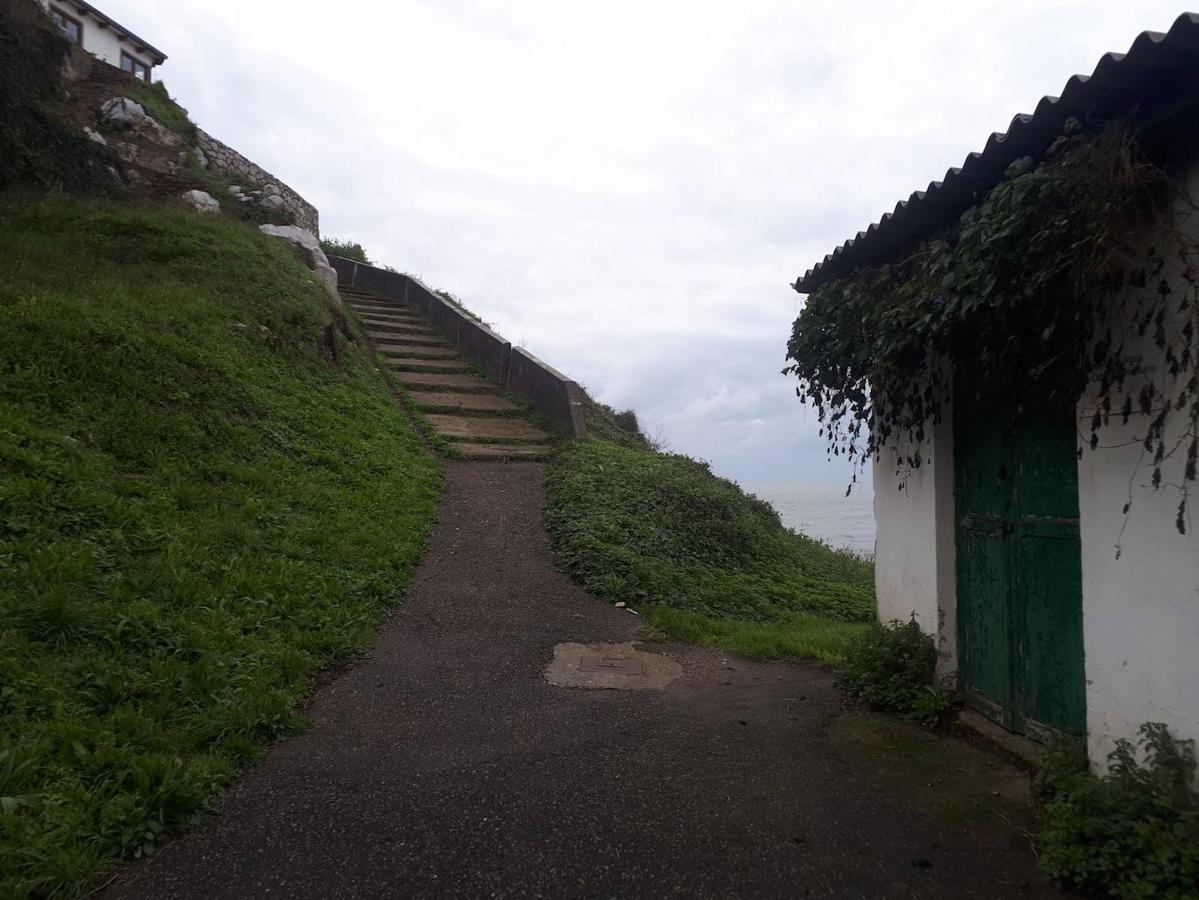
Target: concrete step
483,428
460,382
387,306
501,451
407,364
405,341
457,402
389,315
393,326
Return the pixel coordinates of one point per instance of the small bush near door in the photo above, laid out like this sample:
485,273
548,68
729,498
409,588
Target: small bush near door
1133,834
892,668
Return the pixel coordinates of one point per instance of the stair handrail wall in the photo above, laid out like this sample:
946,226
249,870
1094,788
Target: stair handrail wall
547,390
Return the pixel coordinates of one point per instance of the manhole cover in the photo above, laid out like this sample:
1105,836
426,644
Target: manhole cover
613,664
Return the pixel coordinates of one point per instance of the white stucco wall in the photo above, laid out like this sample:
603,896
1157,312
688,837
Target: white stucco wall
1140,607
914,570
105,43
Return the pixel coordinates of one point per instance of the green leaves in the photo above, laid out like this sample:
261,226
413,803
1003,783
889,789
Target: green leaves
1023,294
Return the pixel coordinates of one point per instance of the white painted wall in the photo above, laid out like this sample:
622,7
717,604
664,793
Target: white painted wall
914,571
1140,608
105,43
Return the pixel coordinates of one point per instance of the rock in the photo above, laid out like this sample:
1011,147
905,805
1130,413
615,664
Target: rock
96,136
201,201
274,201
271,190
235,190
126,151
310,250
621,605
201,158
122,113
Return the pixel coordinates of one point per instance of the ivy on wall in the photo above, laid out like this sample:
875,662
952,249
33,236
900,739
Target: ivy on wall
1033,293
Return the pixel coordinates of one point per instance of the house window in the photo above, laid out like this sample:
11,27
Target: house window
72,29
135,67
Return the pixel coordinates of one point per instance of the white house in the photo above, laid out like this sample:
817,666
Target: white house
105,38
1058,611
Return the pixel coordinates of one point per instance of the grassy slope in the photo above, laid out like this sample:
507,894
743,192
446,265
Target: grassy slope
701,559
194,518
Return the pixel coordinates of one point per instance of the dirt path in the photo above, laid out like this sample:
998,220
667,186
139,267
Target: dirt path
446,765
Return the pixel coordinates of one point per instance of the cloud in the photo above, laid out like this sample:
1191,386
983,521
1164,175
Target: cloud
628,187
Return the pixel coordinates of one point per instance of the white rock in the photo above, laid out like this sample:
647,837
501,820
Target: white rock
310,249
121,112
201,201
96,136
274,201
201,158
621,605
271,190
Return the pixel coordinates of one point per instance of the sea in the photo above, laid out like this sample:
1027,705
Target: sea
823,511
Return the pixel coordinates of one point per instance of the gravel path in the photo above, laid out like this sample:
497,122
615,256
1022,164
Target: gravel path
446,766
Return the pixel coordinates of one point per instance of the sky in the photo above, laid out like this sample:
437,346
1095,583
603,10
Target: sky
627,189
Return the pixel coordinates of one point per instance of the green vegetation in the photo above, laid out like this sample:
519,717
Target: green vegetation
161,107
701,559
37,148
606,424
1133,834
892,668
346,250
199,509
1030,294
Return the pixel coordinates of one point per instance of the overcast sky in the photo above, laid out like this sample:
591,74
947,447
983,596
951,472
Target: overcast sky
626,188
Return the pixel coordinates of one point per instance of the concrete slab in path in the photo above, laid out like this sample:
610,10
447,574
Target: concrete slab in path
447,766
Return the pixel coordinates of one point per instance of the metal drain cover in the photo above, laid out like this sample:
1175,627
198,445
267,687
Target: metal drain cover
613,664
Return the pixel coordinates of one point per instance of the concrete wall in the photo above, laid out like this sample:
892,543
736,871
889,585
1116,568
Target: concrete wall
548,391
1140,603
1140,576
914,561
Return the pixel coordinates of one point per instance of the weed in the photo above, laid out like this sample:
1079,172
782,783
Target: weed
1132,834
892,668
346,250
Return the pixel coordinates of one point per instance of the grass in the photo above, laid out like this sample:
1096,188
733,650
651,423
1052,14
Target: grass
603,423
198,511
701,559
161,107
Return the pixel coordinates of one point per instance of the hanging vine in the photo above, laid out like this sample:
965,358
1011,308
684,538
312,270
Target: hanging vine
1047,289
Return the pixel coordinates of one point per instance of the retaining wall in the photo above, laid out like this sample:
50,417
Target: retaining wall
548,391
222,158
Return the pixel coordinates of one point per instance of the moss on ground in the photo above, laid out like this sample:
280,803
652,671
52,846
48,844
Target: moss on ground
942,776
702,559
198,511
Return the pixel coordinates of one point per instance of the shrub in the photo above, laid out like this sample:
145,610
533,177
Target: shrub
346,250
1133,834
892,668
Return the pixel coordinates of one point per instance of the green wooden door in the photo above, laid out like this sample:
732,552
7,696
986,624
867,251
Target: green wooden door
1019,573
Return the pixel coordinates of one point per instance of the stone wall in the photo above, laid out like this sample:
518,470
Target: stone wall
219,157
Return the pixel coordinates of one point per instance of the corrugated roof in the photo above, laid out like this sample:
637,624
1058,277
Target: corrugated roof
1155,64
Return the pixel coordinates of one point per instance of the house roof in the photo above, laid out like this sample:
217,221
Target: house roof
140,45
1155,64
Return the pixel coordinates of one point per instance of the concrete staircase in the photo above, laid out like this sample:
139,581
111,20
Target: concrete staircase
470,412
